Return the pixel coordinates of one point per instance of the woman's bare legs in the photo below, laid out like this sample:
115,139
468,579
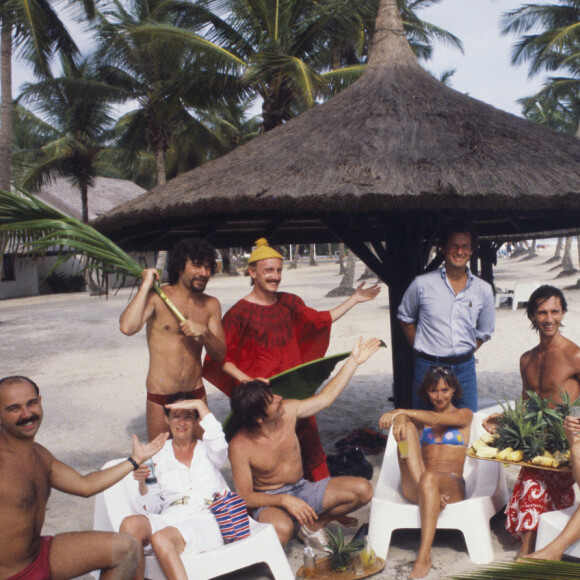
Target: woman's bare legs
434,486
139,527
168,544
412,467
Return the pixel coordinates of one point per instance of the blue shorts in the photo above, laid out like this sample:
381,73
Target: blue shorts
312,492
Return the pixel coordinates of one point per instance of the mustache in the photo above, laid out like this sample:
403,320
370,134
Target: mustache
31,419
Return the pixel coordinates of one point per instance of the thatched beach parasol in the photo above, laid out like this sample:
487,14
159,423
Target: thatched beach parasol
383,162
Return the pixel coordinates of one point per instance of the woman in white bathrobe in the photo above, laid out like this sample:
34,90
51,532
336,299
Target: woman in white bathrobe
173,514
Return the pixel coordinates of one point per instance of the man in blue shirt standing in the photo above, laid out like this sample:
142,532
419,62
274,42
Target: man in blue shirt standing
448,314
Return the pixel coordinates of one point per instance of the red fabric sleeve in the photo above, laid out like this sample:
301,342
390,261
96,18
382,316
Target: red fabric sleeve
311,328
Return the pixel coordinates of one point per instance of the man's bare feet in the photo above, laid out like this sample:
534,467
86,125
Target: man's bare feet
421,569
347,521
443,501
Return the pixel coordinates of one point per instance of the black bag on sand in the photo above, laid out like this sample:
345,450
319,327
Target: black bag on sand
349,462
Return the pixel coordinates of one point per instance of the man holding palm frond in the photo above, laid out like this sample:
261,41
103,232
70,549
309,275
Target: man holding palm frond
175,347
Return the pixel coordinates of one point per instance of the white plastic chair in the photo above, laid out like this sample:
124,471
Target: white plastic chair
115,503
551,524
522,293
486,494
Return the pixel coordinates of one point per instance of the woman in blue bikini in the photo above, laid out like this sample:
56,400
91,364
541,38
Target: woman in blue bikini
432,471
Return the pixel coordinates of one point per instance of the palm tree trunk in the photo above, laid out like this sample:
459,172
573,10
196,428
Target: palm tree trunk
567,263
312,252
85,202
160,166
294,261
341,269
558,251
5,102
557,257
346,287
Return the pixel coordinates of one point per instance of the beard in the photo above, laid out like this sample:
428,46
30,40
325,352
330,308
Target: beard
202,283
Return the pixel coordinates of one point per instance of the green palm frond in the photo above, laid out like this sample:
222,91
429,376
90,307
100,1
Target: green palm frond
526,570
30,226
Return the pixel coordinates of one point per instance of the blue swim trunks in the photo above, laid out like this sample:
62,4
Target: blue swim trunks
312,492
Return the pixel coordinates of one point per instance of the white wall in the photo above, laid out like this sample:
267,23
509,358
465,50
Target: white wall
26,282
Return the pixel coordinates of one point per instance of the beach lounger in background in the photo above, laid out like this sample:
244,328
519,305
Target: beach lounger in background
522,293
552,523
486,494
115,503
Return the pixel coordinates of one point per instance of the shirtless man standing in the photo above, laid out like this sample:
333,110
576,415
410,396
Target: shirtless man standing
267,464
174,347
28,471
548,369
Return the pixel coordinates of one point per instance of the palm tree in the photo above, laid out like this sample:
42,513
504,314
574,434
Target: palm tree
33,28
167,82
553,45
296,52
75,121
546,109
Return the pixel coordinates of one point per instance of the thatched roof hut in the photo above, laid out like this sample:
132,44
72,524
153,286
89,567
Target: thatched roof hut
382,162
395,143
104,195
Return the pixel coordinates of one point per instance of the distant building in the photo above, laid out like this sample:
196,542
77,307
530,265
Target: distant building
24,276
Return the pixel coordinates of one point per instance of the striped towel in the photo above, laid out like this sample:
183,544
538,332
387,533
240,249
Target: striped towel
231,514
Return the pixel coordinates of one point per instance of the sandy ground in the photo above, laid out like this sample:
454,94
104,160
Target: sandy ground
92,380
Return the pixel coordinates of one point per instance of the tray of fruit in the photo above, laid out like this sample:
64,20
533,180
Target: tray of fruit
529,432
486,448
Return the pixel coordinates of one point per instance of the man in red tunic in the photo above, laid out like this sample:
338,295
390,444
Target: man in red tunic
268,332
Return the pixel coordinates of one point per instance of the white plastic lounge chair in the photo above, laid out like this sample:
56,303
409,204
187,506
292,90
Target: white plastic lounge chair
522,293
551,524
115,503
486,494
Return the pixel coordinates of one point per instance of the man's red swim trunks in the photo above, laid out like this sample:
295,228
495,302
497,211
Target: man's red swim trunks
162,399
40,568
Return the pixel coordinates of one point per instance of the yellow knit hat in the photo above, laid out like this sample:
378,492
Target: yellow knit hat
263,251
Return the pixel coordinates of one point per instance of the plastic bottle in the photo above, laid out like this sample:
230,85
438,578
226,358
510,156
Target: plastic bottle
368,555
151,478
309,568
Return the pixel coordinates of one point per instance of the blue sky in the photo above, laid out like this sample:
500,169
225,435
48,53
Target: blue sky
484,70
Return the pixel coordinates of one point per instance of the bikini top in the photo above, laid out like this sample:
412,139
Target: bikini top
451,437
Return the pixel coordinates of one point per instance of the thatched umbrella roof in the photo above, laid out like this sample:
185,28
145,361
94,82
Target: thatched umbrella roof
395,143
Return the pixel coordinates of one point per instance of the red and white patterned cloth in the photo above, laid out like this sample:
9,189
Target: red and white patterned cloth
537,491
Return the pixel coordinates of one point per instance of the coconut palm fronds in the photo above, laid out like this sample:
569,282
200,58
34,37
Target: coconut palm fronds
525,570
30,226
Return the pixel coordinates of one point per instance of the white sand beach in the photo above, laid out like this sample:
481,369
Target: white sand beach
92,379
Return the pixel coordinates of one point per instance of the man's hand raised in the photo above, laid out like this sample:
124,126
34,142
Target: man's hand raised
143,452
362,351
363,294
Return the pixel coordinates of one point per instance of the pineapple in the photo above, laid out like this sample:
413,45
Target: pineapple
488,439
341,555
516,455
545,461
503,454
487,452
477,444
518,429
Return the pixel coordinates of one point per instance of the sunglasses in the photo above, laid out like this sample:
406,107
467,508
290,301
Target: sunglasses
441,370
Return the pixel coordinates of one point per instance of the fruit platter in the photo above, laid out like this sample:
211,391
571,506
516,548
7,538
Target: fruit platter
530,433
